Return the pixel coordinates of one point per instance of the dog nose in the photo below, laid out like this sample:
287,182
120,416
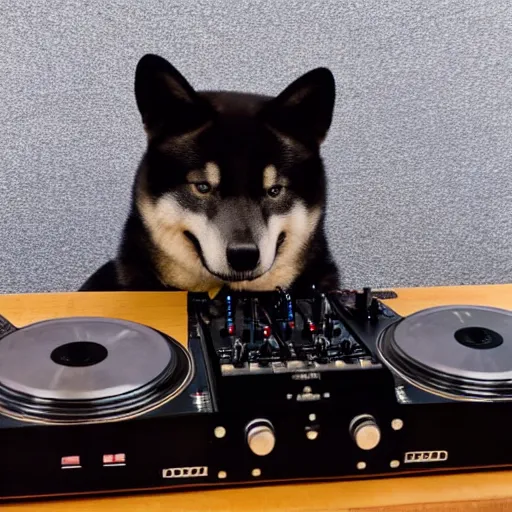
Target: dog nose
243,257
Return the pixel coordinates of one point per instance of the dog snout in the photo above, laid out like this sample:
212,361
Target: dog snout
243,257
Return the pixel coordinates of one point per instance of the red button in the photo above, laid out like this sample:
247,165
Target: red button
119,457
70,460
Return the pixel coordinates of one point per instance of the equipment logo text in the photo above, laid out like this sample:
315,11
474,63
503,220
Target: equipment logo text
192,472
422,457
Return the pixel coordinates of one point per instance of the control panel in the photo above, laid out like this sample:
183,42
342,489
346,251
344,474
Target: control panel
273,333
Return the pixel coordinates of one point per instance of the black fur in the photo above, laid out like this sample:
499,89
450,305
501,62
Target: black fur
243,134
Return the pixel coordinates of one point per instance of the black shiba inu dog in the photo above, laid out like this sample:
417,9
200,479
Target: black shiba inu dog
231,190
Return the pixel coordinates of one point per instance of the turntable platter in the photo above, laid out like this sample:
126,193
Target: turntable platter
80,359
460,341
76,369
454,351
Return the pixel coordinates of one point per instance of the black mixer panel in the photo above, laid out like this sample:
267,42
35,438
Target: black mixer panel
270,349
260,333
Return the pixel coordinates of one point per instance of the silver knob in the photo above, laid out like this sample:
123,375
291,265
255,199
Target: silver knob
260,437
365,432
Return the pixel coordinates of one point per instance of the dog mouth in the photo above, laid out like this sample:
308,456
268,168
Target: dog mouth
235,276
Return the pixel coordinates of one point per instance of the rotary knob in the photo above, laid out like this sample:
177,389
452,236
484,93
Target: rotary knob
260,437
365,432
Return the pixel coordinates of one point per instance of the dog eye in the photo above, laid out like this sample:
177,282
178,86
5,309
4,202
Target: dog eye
203,188
274,191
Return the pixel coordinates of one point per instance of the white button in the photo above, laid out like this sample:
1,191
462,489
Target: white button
256,472
397,424
311,435
312,417
394,464
261,439
222,474
361,465
219,432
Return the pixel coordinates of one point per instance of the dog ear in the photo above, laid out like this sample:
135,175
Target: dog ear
304,110
166,101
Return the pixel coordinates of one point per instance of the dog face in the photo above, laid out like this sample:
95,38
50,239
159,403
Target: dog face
232,186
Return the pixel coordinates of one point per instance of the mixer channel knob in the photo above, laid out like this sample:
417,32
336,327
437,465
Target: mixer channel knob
365,432
260,437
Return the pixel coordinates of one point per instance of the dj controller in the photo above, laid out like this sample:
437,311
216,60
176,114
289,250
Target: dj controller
267,388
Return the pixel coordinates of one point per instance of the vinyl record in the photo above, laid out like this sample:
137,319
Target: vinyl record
462,352
83,368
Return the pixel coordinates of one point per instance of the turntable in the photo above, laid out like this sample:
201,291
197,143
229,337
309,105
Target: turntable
187,391
461,353
82,370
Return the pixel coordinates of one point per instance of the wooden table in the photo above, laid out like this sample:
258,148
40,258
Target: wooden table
468,492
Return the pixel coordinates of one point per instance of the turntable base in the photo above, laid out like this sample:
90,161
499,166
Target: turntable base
490,491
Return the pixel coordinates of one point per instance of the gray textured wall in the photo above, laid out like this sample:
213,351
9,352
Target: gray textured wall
419,155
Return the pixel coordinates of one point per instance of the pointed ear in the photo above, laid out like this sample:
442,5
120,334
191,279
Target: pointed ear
304,109
166,101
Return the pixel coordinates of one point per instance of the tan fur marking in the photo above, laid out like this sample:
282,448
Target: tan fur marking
269,176
177,262
212,174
